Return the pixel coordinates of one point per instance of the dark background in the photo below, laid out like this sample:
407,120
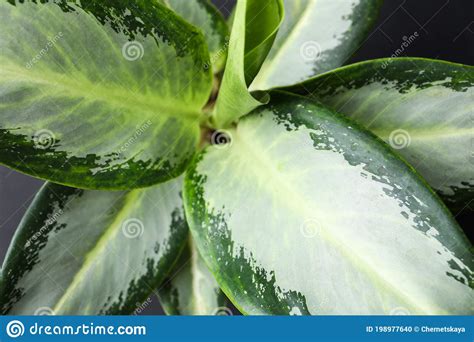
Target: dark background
446,31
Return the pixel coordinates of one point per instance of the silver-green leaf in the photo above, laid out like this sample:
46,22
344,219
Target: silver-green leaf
304,212
316,36
204,15
89,252
422,108
191,288
100,95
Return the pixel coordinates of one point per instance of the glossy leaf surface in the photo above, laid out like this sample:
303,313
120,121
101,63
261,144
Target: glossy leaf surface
192,289
254,28
422,108
100,95
89,252
315,36
204,15
262,21
306,213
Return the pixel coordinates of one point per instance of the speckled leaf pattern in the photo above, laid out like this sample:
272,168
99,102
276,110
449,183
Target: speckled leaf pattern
204,15
307,213
316,36
191,288
89,252
254,28
422,108
102,95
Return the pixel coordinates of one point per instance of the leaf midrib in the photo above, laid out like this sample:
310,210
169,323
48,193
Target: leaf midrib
197,302
101,244
260,163
119,97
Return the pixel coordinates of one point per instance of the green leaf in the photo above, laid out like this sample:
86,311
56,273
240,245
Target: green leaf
262,21
204,15
100,95
422,108
306,213
254,28
192,289
89,252
316,36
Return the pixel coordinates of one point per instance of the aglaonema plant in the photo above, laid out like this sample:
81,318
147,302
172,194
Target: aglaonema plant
306,185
